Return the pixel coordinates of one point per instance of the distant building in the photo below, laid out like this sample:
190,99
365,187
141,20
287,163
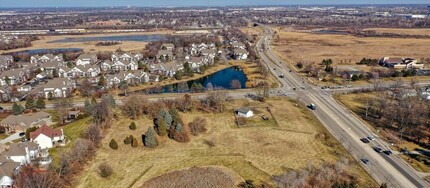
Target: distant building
86,59
20,123
244,112
400,63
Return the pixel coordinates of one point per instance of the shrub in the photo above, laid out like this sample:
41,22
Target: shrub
105,170
132,126
113,144
198,125
134,143
150,138
162,127
127,140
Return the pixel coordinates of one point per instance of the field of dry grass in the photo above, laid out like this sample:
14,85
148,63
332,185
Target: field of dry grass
421,32
296,46
255,152
213,176
129,46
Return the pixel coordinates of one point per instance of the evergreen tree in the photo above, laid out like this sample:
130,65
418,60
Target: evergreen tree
88,107
134,143
166,117
17,109
150,138
29,102
102,81
178,127
132,126
93,100
113,144
162,127
40,103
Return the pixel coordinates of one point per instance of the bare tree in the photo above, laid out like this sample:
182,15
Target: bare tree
198,125
30,178
93,133
134,105
398,83
61,107
101,113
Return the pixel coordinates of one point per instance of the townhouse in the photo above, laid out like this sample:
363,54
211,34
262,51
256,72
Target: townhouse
5,62
20,123
35,59
86,59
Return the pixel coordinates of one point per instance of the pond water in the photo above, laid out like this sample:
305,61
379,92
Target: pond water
135,38
46,51
220,79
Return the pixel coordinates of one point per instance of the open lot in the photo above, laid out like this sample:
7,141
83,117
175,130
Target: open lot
129,46
255,153
296,46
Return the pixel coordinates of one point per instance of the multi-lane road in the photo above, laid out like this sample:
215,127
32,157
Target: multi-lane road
344,126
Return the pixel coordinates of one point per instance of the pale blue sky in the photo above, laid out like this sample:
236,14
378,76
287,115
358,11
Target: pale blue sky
164,3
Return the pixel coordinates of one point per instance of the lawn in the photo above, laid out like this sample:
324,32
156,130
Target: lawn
255,153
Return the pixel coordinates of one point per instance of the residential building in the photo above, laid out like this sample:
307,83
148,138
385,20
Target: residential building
240,54
400,63
14,76
20,123
8,168
165,55
5,61
47,137
23,152
167,46
46,58
56,88
86,59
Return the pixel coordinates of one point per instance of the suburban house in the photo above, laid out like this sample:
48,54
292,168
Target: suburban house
5,93
8,168
165,55
129,78
167,46
23,152
56,88
47,137
50,67
238,45
400,63
5,61
170,68
196,62
14,76
79,71
19,123
240,54
244,112
46,58
126,57
86,59
106,66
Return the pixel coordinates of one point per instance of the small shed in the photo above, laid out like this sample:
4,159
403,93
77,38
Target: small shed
244,112
73,114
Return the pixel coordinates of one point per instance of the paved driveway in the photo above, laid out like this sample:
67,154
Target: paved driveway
10,138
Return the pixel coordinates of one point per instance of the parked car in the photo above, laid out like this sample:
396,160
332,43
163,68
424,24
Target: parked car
365,140
22,134
371,138
365,161
377,149
388,152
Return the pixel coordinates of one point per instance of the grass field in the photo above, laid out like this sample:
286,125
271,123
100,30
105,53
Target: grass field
296,46
420,32
129,46
254,153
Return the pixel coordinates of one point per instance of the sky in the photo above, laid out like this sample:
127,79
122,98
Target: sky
174,3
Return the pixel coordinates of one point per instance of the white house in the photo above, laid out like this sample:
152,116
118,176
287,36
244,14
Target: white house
244,112
86,59
22,152
7,169
47,137
241,54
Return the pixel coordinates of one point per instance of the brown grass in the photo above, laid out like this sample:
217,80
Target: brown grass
296,46
422,32
196,177
128,46
255,153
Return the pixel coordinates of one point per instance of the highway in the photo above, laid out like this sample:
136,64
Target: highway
343,125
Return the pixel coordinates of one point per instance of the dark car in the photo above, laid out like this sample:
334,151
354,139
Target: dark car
22,134
388,152
289,71
365,161
365,140
377,149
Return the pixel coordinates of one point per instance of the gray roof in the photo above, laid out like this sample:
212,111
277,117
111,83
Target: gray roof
164,52
58,82
87,56
240,51
26,119
18,149
243,110
7,167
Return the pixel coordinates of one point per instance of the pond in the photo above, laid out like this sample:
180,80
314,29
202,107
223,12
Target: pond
134,38
221,79
46,51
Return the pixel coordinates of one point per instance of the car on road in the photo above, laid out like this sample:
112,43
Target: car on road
364,140
377,149
388,152
281,76
274,68
21,134
365,161
371,137
312,106
289,71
